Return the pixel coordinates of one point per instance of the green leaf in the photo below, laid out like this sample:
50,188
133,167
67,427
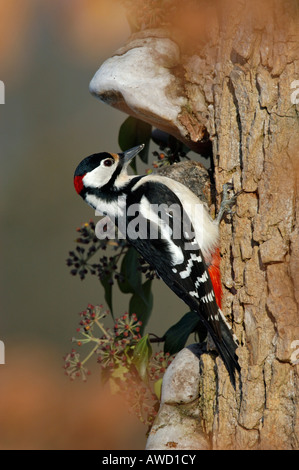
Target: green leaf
141,357
141,303
177,336
118,374
132,276
158,388
108,292
135,132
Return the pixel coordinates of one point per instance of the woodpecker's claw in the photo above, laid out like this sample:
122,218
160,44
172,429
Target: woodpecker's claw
227,202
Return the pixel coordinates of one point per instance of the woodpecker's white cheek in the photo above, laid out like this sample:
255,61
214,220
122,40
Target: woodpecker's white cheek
98,177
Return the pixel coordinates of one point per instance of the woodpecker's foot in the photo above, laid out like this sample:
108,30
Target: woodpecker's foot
227,202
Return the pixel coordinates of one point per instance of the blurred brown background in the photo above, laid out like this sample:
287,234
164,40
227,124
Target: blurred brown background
49,52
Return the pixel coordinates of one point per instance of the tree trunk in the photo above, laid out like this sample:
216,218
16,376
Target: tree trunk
233,68
255,129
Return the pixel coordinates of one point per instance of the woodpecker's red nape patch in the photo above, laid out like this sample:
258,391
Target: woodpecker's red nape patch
214,272
78,183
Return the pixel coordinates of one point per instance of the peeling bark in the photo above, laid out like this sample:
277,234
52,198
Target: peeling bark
233,86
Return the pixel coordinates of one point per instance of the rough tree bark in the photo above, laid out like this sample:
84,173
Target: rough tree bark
224,73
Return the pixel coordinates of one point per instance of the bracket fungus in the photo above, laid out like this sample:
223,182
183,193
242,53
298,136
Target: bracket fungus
145,79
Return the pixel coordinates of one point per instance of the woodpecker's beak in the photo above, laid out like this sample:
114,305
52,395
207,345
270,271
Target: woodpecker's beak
128,155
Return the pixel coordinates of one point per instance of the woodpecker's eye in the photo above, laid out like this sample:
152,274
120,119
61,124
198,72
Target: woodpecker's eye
108,162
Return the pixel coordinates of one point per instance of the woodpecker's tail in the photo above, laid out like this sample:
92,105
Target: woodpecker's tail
226,344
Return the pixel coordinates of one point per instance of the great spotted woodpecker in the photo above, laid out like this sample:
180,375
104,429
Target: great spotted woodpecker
179,238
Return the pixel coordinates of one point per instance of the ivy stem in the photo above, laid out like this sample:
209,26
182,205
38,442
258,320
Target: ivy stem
102,329
156,339
89,355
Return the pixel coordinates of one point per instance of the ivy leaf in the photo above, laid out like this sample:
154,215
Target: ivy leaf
132,276
134,132
141,357
118,375
141,303
108,292
158,388
177,336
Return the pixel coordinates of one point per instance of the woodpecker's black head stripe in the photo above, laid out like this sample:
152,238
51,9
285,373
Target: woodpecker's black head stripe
91,162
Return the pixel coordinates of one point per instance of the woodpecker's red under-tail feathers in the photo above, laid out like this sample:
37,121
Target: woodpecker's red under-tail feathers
214,272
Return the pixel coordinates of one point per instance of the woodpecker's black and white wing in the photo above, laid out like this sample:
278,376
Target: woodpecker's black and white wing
166,240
